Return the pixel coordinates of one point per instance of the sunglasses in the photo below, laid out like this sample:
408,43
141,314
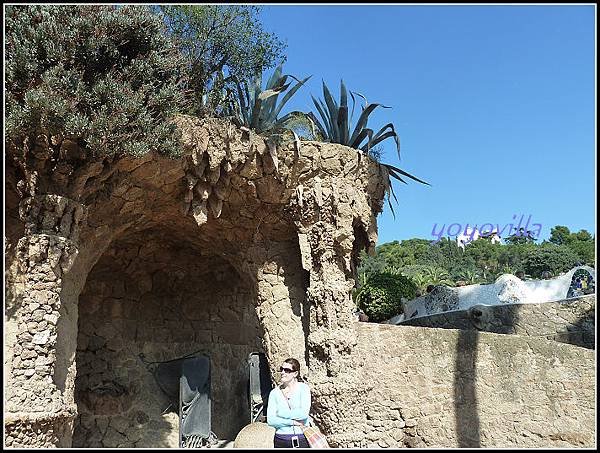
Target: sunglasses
286,370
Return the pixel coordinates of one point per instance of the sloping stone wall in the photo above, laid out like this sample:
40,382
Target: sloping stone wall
570,321
429,387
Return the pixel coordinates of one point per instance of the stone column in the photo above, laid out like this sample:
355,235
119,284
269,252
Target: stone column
39,400
280,300
335,376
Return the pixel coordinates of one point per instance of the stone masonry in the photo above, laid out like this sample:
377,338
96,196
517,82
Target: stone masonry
104,254
241,245
446,388
570,321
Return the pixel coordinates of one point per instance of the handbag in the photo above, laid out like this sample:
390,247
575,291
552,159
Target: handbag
315,438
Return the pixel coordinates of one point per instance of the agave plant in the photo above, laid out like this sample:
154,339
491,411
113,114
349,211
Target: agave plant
336,127
258,109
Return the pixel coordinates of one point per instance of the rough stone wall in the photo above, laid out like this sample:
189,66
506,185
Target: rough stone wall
570,321
147,296
232,195
85,258
450,388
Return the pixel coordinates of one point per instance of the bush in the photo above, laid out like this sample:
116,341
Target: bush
549,257
585,250
380,297
220,42
106,77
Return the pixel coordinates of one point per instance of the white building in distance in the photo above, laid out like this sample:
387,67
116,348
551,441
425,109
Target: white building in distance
472,234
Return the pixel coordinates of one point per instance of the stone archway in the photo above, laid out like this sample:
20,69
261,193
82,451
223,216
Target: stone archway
285,220
154,294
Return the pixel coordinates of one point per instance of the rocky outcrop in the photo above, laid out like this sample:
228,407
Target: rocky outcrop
288,219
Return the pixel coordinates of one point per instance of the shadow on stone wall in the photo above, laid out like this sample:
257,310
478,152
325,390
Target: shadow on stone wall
583,331
465,393
465,378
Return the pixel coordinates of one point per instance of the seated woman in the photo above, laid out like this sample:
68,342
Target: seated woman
288,408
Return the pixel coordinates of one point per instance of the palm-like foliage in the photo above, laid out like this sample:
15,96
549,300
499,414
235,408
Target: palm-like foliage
420,280
470,276
336,126
258,109
508,269
438,276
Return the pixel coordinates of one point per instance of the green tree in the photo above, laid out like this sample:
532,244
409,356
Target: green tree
484,253
522,237
381,296
437,276
582,242
585,251
404,253
560,235
549,257
105,77
444,253
370,265
583,236
220,42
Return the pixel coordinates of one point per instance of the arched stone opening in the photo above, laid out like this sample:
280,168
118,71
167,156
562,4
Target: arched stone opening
156,294
280,220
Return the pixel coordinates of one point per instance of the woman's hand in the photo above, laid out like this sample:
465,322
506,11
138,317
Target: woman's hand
298,423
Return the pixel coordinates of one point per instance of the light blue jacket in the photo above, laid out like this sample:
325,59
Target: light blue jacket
280,414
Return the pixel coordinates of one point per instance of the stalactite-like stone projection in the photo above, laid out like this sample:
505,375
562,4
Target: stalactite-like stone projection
112,257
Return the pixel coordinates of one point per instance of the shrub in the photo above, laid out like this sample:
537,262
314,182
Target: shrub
220,42
106,77
585,250
381,296
549,257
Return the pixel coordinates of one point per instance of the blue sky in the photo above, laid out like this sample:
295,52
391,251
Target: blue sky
494,105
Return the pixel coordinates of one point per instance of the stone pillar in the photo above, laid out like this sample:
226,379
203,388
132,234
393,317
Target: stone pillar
280,300
335,376
39,400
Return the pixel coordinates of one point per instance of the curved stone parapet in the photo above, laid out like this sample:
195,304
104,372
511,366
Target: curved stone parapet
507,289
569,321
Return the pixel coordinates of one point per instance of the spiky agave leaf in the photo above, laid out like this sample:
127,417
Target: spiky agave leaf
362,123
287,97
326,127
258,109
333,109
394,170
343,121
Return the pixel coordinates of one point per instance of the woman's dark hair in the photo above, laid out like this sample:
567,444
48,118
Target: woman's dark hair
295,366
